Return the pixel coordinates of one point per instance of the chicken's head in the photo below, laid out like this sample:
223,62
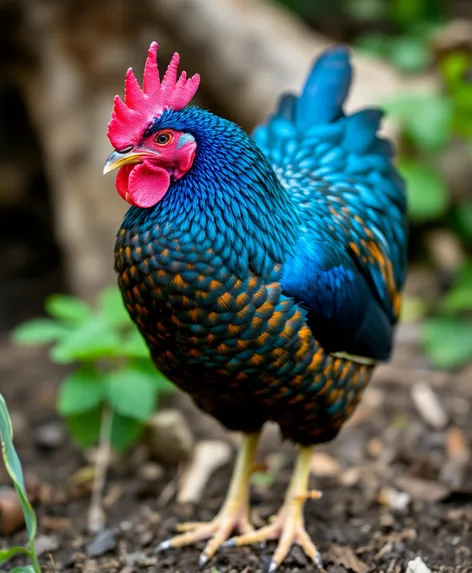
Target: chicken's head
150,159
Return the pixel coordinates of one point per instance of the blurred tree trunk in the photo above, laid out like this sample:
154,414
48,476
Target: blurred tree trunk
74,59
248,51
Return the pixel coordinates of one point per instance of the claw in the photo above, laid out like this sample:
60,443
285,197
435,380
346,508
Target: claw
203,559
229,543
167,544
287,526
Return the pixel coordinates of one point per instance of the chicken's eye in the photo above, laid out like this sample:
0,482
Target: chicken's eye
163,138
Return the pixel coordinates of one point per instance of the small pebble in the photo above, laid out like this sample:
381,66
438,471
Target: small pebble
102,543
46,543
428,405
11,512
169,437
323,465
417,566
151,471
394,499
50,436
140,559
386,521
145,538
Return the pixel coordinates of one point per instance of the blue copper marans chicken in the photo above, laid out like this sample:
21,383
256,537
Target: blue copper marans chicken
264,272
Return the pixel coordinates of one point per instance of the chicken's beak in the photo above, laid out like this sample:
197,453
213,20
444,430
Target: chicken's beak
118,159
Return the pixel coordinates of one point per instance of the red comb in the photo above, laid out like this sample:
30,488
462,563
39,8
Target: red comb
130,117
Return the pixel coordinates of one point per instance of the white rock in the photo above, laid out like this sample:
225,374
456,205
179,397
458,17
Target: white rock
417,566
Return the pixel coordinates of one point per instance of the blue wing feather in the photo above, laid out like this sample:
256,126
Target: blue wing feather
350,263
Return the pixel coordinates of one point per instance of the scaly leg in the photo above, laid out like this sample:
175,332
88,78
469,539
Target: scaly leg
288,525
234,513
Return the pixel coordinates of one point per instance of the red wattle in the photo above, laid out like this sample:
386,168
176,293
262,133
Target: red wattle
142,185
122,180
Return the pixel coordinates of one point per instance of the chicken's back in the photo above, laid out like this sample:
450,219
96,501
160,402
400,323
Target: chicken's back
352,201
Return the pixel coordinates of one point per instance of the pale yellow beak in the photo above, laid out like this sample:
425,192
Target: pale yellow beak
117,159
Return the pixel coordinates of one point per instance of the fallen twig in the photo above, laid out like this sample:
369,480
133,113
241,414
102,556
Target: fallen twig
96,515
209,456
428,405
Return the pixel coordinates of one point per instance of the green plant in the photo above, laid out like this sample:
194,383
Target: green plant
13,467
411,24
447,336
111,370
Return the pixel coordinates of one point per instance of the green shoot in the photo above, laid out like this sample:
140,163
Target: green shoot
13,467
112,371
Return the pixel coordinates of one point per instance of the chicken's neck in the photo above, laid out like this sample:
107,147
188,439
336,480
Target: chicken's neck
231,202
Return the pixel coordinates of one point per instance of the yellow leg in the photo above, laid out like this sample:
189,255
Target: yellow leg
234,513
288,525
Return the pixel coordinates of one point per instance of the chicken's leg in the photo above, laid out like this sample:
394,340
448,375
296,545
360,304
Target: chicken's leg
234,513
288,525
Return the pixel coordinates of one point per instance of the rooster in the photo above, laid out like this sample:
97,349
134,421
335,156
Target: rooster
263,272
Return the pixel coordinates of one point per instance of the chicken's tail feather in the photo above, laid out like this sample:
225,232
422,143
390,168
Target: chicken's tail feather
325,90
320,105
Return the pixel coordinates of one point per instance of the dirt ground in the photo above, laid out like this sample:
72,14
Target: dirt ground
395,486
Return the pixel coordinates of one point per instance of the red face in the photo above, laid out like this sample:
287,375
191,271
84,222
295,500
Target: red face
146,169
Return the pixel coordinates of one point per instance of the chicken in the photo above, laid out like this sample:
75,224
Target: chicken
263,272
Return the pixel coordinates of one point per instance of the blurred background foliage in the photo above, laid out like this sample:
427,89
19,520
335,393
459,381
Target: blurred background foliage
420,37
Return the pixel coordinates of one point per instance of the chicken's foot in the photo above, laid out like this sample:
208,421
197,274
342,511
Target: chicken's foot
234,513
288,525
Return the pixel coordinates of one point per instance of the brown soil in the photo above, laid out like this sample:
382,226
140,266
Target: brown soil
387,445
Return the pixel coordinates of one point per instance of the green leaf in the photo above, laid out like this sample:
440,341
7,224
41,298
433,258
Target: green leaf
459,297
85,428
13,467
425,117
6,554
134,345
125,431
82,390
407,11
92,340
162,384
448,341
24,569
454,68
365,10
131,392
464,274
463,216
374,44
427,192
413,308
263,479
112,307
430,125
410,54
68,308
39,331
